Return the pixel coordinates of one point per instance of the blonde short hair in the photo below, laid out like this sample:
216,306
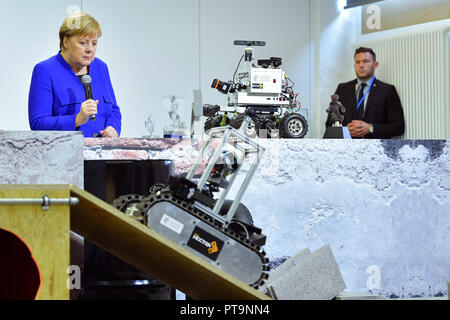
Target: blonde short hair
78,23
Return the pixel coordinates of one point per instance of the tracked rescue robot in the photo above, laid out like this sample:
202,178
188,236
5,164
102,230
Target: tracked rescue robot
266,90
194,212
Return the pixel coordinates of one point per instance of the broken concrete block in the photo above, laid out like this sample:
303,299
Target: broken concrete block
288,264
282,269
316,277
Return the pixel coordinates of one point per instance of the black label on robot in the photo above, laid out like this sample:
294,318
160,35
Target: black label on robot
205,243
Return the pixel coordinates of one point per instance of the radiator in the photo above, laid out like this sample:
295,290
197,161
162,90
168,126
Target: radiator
418,65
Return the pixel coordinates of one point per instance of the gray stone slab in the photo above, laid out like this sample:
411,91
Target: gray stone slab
315,278
300,195
41,157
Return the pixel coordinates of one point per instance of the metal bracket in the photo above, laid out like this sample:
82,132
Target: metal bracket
45,202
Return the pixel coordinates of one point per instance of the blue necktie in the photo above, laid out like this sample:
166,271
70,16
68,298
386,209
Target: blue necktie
360,112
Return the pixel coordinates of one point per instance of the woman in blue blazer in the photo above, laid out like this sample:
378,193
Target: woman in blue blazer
57,99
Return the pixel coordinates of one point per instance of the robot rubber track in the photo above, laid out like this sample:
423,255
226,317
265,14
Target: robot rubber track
142,204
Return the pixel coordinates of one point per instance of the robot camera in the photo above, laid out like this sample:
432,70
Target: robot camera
223,87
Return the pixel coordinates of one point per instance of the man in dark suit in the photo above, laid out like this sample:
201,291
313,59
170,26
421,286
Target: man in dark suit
373,108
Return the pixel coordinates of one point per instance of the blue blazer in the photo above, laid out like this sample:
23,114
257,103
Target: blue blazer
56,95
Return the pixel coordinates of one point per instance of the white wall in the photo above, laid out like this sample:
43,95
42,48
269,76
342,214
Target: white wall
378,204
154,48
29,32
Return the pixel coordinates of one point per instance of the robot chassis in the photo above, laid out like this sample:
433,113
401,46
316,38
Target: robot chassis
195,214
264,90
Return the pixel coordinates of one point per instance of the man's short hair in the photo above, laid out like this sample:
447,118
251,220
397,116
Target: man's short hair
369,50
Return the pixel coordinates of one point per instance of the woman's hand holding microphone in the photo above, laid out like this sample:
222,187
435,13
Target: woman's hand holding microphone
88,108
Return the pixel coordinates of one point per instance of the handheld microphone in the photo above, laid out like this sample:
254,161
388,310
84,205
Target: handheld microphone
86,81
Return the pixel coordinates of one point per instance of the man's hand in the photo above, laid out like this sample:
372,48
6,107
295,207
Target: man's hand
109,132
358,128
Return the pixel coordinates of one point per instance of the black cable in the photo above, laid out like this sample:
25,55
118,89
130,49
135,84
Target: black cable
293,84
286,97
234,75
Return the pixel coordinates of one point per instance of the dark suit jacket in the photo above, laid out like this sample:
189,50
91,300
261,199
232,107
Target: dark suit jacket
383,109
